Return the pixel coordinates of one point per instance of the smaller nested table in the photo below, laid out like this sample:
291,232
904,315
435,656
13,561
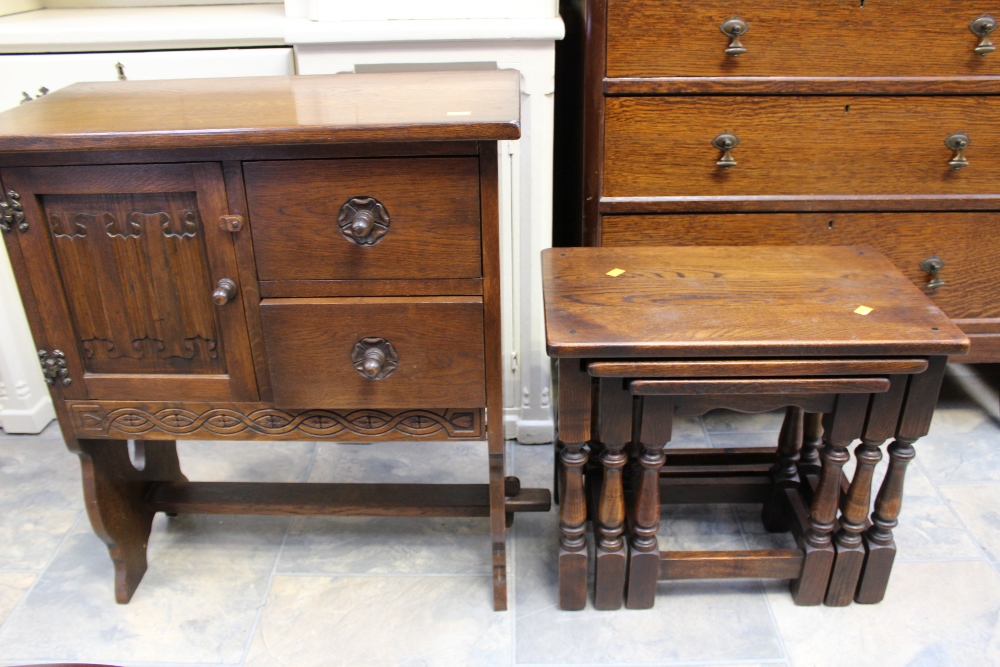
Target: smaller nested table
837,335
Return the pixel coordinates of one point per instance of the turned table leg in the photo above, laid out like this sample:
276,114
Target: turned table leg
850,551
841,427
914,423
785,472
575,389
655,425
614,433
114,492
812,441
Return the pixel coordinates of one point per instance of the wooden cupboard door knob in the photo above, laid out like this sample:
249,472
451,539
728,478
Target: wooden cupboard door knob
224,292
375,358
363,220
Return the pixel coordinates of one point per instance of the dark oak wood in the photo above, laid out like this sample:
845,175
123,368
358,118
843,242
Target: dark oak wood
756,368
804,85
797,145
438,340
759,386
190,420
411,106
320,288
575,404
175,337
876,38
694,318
807,203
342,499
108,267
737,285
432,206
906,239
773,564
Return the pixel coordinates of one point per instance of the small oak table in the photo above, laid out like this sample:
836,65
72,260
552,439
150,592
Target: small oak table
836,335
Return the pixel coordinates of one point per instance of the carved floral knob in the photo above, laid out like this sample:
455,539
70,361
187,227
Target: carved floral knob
375,358
363,220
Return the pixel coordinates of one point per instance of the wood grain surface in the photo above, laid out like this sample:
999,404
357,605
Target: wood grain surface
432,203
970,273
439,341
754,301
799,145
410,106
797,38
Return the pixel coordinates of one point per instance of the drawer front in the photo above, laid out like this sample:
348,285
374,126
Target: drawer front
422,351
662,146
650,38
967,242
390,218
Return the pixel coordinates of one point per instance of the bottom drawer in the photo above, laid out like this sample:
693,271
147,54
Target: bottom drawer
391,352
967,242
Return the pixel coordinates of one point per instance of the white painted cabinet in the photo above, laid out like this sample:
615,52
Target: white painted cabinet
26,74
25,406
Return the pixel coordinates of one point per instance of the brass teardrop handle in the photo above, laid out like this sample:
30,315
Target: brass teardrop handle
726,142
933,266
375,358
734,28
224,292
958,142
982,27
363,220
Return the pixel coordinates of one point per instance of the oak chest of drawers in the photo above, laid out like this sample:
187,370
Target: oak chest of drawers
835,122
276,258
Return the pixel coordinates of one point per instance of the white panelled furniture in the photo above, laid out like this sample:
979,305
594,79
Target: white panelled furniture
331,36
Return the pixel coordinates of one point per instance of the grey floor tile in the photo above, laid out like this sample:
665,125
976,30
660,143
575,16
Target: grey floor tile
13,586
206,580
978,505
40,498
425,621
692,621
51,432
687,432
457,462
699,528
744,439
226,461
721,421
937,613
961,447
387,545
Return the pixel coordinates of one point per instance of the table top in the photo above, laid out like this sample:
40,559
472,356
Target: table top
751,301
406,106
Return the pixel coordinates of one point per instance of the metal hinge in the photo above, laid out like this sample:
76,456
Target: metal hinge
54,367
12,213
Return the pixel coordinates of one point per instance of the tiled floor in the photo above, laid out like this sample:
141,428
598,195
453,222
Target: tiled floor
271,591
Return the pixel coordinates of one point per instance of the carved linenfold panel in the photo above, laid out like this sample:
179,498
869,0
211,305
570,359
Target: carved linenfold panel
254,419
79,225
184,224
136,279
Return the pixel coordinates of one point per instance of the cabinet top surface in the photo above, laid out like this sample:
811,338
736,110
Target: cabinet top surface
751,301
338,108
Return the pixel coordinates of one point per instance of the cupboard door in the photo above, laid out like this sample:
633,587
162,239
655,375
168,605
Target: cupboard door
124,261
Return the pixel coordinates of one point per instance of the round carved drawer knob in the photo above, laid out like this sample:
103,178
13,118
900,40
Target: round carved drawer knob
375,358
363,220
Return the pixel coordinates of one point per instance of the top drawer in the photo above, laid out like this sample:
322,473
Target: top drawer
388,218
653,38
